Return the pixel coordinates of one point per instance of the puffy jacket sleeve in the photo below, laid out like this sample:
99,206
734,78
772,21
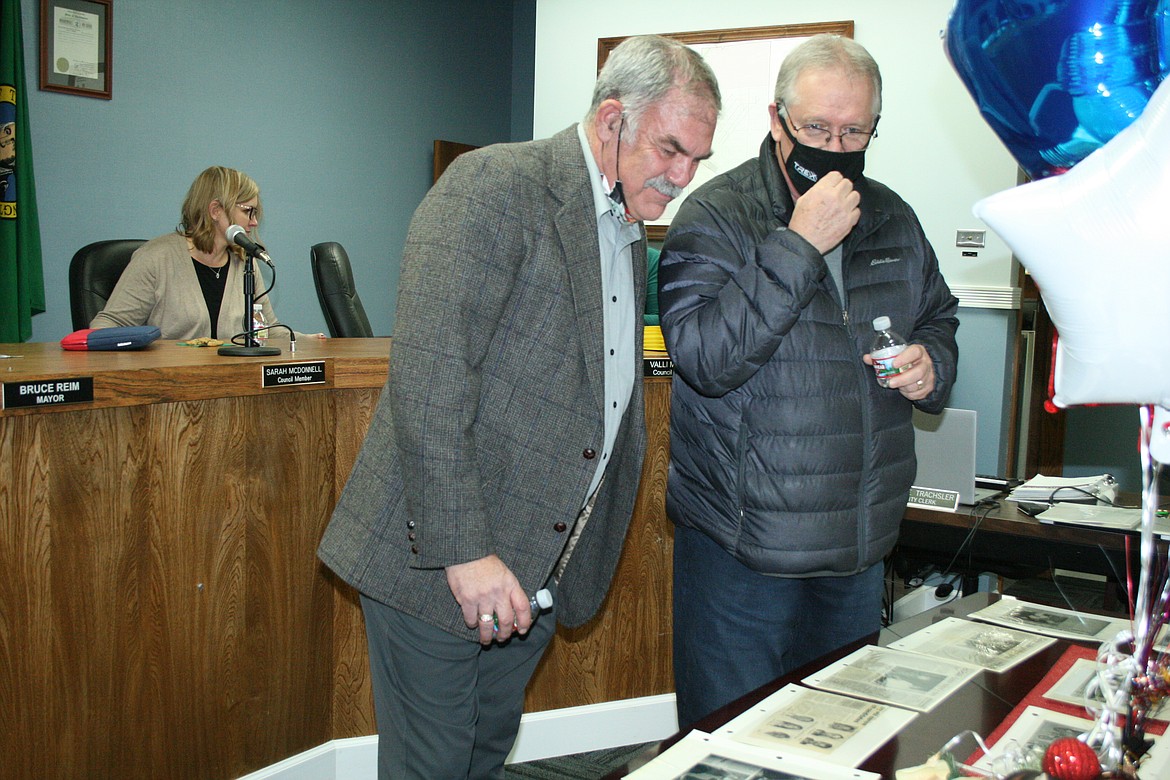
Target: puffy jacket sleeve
732,282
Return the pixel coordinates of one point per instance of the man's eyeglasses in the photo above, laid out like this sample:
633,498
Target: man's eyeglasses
853,139
249,211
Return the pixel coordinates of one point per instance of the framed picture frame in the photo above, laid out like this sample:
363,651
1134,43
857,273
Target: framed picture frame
76,47
748,58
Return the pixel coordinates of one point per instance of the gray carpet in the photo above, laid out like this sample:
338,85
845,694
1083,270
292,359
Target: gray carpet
583,766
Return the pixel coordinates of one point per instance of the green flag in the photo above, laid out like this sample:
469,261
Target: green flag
22,284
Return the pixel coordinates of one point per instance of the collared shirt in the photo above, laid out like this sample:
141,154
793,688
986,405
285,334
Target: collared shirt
617,289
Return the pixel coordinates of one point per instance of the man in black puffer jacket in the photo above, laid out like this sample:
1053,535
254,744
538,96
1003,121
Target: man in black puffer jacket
790,466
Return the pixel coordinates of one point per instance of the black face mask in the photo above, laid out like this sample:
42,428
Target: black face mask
807,164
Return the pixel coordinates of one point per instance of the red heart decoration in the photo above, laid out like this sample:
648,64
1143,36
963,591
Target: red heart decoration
1070,759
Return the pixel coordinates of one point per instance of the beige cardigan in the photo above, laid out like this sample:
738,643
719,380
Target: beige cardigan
159,287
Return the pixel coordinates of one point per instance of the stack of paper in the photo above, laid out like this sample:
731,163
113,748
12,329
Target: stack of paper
1092,515
1048,490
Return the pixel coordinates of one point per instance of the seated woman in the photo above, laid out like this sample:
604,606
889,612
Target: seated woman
190,283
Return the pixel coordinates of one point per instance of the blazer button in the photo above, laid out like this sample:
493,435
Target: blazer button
410,536
560,528
414,549
589,453
410,524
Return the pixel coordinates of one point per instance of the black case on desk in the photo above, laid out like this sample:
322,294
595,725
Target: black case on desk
97,339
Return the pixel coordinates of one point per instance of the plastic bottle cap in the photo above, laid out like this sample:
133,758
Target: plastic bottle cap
257,307
881,323
543,598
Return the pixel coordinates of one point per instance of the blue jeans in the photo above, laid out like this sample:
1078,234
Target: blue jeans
736,629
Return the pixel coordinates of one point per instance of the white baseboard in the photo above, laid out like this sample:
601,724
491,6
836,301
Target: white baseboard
351,759
594,727
542,735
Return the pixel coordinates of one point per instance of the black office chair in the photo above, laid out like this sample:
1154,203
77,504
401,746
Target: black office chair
344,315
93,272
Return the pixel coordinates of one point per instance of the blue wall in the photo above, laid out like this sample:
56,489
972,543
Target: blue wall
331,105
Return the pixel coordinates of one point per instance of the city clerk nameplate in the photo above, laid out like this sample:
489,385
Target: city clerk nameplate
48,392
286,374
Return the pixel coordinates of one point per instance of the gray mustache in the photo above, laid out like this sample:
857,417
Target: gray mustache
665,187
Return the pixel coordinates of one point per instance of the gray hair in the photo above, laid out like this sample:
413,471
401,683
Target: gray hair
826,52
643,69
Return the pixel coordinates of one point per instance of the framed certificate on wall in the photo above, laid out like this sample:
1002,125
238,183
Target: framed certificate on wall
76,47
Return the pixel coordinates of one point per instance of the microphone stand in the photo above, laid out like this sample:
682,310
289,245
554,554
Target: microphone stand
251,347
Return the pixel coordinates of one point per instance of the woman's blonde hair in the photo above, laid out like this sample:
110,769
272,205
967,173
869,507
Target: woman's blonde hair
226,185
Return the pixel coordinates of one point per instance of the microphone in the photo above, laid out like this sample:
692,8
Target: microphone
237,235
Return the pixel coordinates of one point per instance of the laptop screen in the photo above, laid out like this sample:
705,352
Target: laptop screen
945,447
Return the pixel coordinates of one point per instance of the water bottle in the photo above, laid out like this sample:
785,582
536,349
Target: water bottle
886,346
258,323
541,601
538,602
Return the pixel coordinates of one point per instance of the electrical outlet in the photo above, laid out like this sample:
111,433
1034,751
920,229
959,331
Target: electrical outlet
971,238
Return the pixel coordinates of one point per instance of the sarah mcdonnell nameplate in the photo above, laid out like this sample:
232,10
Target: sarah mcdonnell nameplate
286,374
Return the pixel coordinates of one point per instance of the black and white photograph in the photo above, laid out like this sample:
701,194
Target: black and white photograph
1050,621
701,756
839,729
995,648
903,679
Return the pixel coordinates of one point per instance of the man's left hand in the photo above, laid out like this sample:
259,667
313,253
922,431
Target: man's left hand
916,381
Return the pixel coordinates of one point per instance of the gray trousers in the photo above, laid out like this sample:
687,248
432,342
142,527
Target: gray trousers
446,707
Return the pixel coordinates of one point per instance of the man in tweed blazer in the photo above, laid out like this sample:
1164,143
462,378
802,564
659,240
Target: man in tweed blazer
506,449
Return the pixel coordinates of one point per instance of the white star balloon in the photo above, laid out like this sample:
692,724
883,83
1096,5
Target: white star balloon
1097,241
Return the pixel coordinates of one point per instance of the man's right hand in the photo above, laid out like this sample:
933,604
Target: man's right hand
487,587
826,213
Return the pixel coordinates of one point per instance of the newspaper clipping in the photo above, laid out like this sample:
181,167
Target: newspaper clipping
836,728
909,680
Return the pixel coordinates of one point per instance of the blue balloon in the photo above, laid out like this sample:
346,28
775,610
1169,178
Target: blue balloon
1057,79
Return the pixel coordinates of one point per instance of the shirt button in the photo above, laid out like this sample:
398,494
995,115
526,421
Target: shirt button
589,453
560,528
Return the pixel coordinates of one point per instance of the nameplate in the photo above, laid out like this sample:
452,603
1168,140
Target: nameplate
662,366
933,498
285,374
52,392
